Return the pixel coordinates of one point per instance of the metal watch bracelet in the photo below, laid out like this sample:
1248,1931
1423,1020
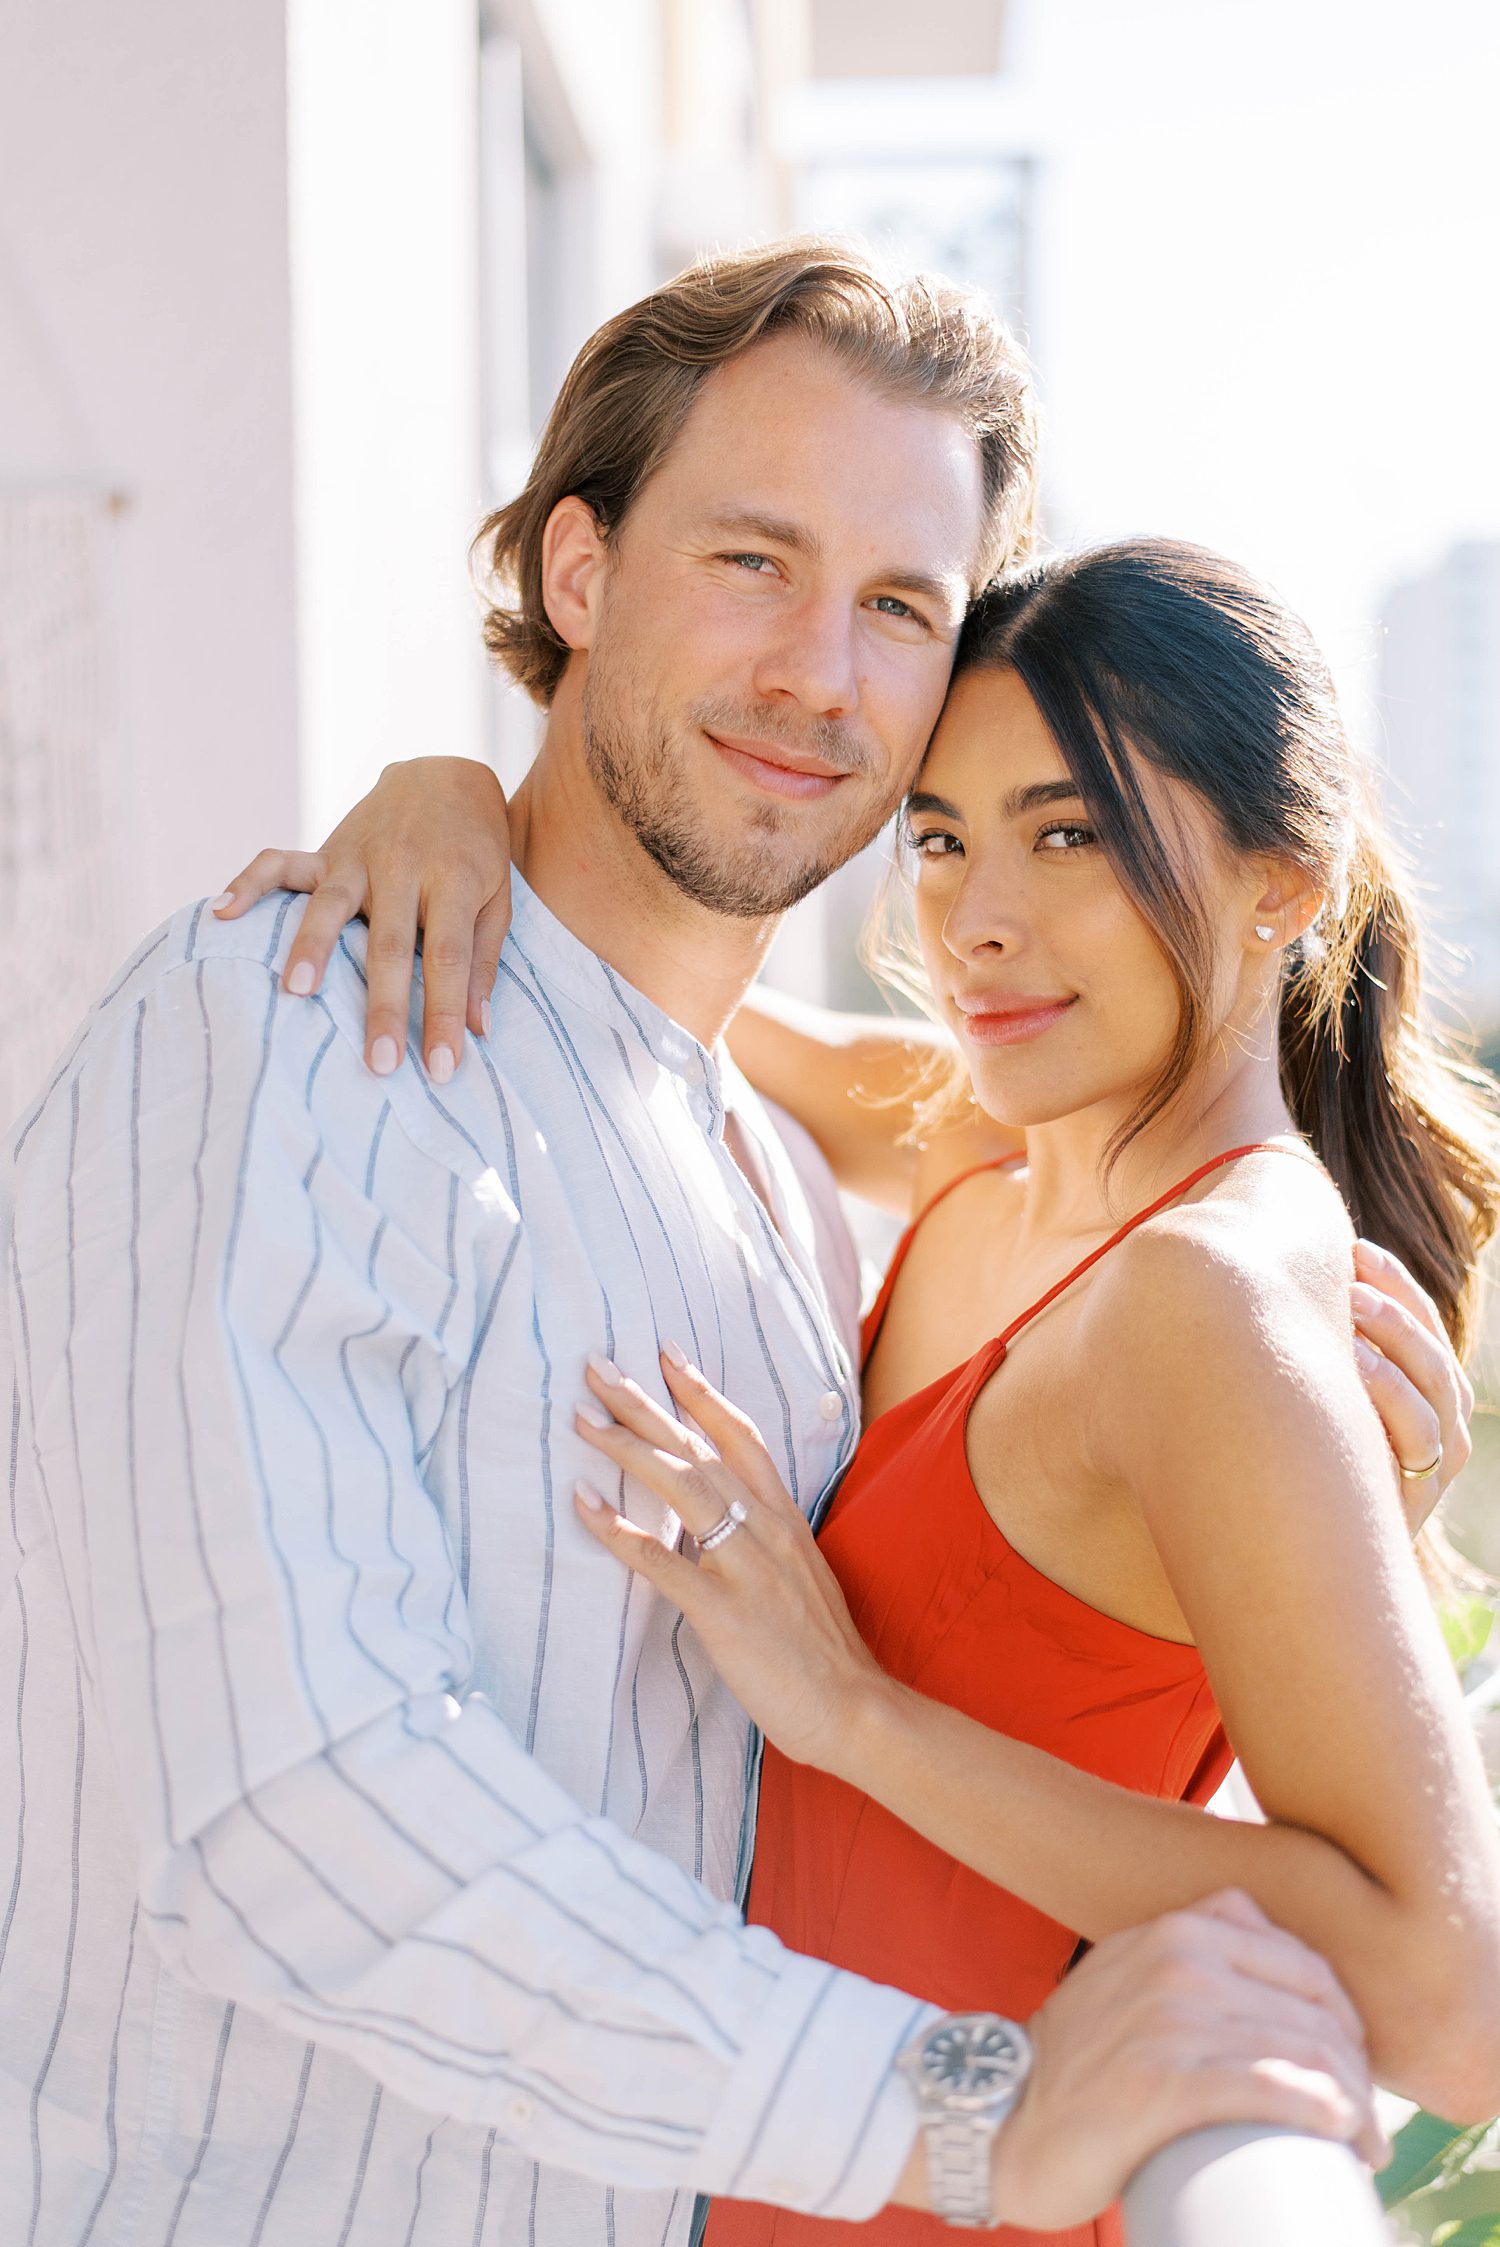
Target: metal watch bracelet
967,2071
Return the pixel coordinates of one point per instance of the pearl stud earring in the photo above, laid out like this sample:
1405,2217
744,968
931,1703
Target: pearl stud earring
1264,932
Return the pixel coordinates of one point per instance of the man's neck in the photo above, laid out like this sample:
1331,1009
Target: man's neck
589,870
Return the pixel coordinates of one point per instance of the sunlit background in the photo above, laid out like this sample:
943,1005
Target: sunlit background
284,300
285,297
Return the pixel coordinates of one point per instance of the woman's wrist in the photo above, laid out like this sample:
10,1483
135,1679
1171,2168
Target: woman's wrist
874,1715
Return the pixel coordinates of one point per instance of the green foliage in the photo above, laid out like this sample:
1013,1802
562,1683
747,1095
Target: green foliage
1440,2181
1424,2152
1466,1622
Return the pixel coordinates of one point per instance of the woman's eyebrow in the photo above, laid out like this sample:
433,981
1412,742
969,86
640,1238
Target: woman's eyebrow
1015,805
1040,793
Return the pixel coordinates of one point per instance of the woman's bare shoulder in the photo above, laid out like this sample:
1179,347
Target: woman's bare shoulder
1221,1335
1266,1247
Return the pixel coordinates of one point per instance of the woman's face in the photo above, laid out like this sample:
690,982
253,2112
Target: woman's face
1056,988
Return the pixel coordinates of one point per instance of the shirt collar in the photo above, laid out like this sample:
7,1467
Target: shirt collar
566,963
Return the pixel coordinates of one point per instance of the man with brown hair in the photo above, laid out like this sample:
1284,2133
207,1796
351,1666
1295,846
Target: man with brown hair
378,1845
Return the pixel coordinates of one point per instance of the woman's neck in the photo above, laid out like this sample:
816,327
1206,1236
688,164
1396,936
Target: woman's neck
1073,1191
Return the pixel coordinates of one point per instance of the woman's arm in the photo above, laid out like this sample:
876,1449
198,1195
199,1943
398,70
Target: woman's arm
1266,1486
855,1081
1318,1639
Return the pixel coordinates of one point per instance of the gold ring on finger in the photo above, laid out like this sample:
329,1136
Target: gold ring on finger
1422,1474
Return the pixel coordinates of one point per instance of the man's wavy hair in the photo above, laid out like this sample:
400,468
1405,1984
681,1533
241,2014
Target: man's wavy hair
629,390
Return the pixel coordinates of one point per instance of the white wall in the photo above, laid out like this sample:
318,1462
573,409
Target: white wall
384,105
144,349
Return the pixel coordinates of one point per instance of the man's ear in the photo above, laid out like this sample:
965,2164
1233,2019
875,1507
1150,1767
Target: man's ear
573,556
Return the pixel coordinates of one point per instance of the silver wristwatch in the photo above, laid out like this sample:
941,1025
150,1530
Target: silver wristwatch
967,2070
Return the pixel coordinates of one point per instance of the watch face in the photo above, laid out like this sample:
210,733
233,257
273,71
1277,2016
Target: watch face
973,2056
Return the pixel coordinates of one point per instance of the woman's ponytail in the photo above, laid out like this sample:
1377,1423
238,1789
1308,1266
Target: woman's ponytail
1405,1129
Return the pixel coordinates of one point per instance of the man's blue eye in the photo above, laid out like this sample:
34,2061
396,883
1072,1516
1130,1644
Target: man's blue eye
892,607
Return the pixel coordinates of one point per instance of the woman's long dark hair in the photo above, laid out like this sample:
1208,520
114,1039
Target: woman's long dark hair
1156,652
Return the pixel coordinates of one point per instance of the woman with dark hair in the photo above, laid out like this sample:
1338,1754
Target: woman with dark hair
1121,1498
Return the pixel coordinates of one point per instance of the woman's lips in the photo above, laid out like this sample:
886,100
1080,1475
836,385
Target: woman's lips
765,766
1011,1025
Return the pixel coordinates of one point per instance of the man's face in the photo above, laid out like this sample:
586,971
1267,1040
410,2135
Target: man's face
775,624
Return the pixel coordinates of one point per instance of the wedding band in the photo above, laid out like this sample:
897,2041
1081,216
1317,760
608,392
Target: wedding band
1422,1474
722,1529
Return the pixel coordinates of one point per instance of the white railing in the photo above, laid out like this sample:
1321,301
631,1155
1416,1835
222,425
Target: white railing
1244,2186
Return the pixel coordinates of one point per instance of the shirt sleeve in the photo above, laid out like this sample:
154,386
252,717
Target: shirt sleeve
234,1346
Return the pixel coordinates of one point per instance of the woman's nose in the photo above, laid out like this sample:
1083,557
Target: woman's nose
981,918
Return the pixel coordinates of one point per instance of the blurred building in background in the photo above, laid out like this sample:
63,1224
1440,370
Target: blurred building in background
286,291
1440,716
286,299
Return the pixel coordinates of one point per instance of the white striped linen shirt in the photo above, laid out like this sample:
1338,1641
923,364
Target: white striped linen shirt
375,1833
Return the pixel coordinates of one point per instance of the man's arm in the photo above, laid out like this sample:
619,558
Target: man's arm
246,1283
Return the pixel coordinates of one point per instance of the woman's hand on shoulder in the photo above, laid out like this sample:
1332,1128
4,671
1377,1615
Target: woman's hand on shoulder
428,849
1413,1377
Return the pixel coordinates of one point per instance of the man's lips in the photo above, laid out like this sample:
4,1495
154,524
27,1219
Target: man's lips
780,771
993,1018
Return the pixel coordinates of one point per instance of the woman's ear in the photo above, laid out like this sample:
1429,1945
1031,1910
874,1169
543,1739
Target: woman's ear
1287,904
573,554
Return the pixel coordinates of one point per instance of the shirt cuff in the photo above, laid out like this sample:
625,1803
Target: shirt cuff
818,2119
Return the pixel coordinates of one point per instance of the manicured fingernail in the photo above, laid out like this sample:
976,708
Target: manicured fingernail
217,904
440,1064
383,1056
486,1016
674,1355
1371,1249
593,1418
1364,1356
1366,1300
609,1373
302,978
589,1497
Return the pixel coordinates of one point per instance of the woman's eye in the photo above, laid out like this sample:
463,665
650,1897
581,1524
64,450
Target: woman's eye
936,843
1065,837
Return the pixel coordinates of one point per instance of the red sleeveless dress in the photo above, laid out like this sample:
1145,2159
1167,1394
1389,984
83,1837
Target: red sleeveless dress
951,1609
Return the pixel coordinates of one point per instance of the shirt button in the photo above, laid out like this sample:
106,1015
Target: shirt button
830,1405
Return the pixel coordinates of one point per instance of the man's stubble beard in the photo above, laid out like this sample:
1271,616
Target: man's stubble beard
629,752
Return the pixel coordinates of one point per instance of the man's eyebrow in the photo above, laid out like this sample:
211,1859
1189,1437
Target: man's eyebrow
750,522
779,530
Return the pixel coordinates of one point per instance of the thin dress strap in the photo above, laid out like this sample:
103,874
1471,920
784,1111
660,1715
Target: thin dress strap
1259,1147
874,1318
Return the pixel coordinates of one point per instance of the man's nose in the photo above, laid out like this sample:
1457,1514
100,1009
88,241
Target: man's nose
814,659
